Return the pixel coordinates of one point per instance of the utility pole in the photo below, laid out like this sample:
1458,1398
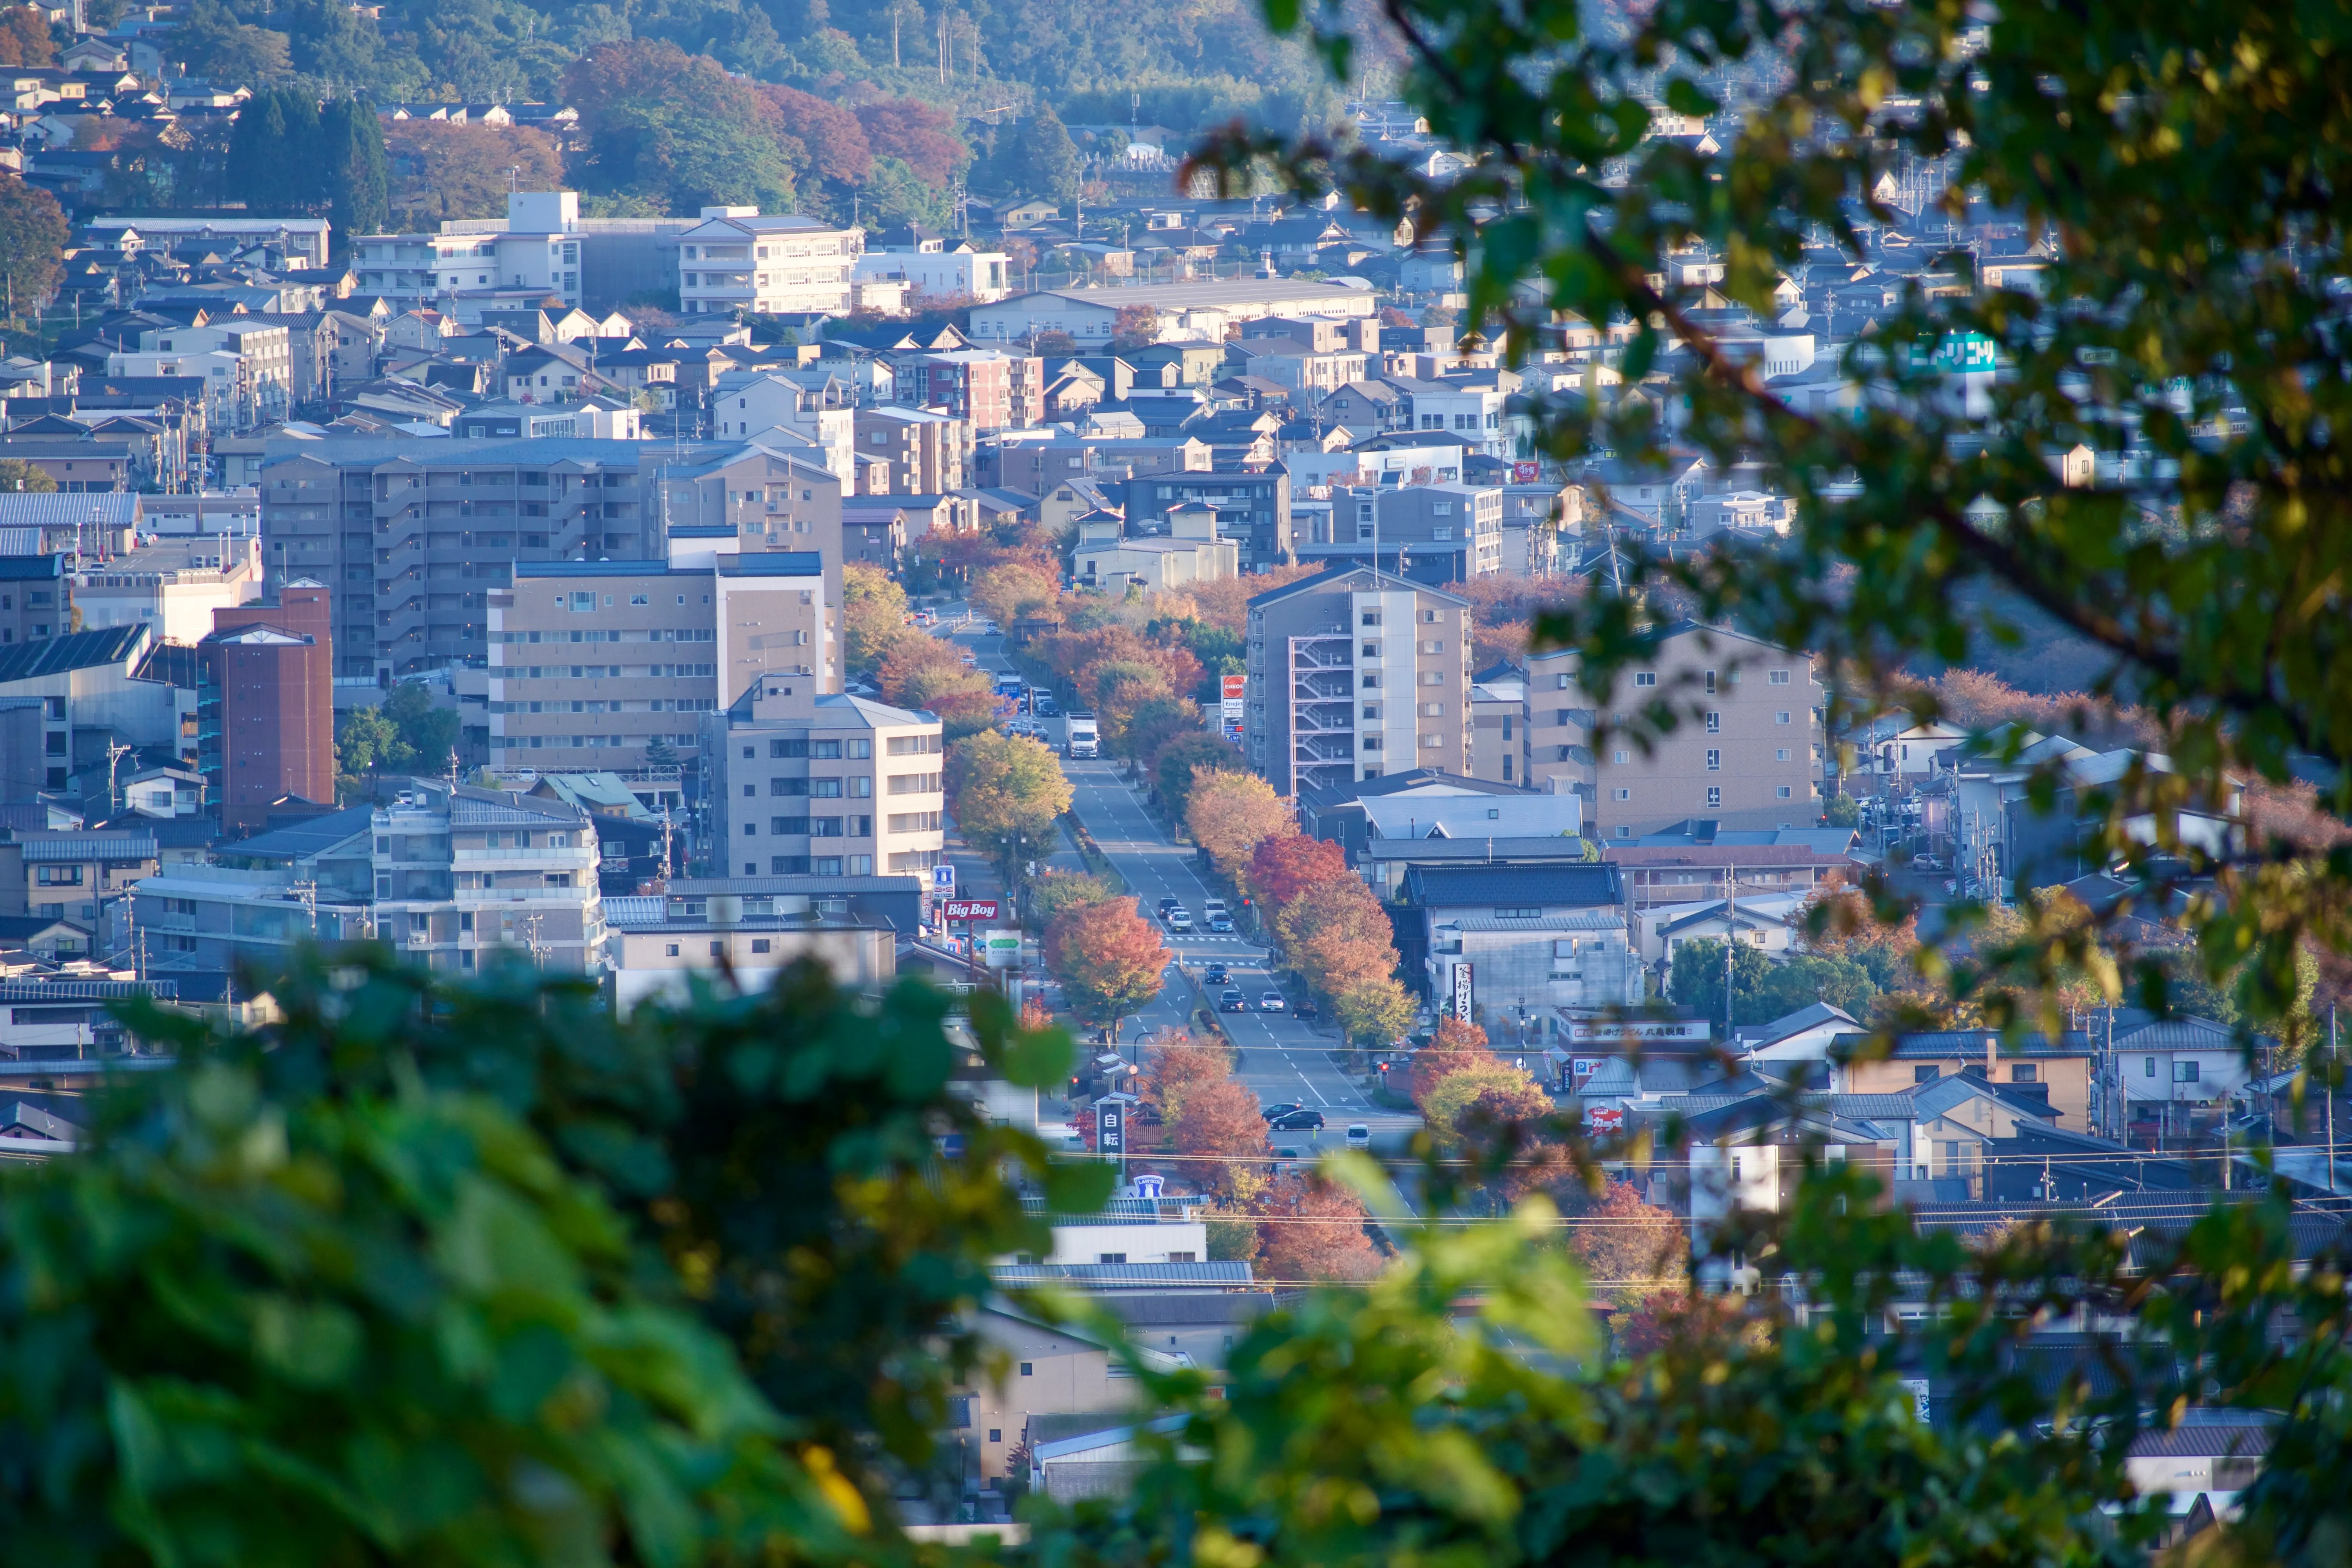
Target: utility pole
1730,936
2330,1087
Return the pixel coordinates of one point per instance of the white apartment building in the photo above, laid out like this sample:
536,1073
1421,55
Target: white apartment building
536,255
232,400
939,273
268,353
748,404
736,260
801,783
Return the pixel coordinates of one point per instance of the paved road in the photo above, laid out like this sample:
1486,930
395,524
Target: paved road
1284,1060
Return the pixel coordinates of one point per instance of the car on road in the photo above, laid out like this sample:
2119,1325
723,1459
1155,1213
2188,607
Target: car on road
1213,906
1178,919
1298,1121
1215,974
1220,921
1307,1009
1233,1001
1271,1002
1359,1135
1165,905
1044,706
1284,1109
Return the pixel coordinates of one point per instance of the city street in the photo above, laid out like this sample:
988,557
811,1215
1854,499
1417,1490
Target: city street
1282,1059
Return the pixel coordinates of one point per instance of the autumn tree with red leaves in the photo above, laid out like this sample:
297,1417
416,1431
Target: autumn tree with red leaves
1286,865
1109,960
1628,1247
1458,1046
922,672
1310,1231
1175,1065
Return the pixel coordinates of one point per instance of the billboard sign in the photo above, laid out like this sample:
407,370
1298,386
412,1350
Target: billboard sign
1002,947
943,880
1110,1128
1464,1001
1604,1118
1525,473
1592,1031
970,910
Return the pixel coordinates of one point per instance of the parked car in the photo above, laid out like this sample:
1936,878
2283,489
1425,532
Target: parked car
1220,921
1271,1002
1233,1001
1359,1135
1179,919
1284,1109
1215,974
1298,1121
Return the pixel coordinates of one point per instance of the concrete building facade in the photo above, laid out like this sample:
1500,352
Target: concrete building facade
800,784
1355,674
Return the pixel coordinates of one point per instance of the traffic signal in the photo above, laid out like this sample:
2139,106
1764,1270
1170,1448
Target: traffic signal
1384,1069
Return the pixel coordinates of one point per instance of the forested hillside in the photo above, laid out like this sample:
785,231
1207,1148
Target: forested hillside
1200,60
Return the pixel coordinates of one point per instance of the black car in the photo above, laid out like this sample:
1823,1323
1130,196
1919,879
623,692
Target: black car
1297,1119
1307,1009
1167,904
1284,1109
1233,1001
1215,974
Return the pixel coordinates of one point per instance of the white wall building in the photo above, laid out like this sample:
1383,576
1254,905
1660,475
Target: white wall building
736,260
747,404
964,272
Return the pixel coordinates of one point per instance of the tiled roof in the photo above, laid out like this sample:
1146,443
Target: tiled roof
90,846
1431,886
76,650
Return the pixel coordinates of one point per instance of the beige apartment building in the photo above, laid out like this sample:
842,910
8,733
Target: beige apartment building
1355,674
591,661
1498,726
928,453
802,782
1747,754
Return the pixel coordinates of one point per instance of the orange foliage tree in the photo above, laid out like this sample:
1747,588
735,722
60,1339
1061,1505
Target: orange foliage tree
1628,1247
1173,1065
1109,960
1217,1119
1336,934
1285,865
1230,814
1311,1231
923,672
1457,1045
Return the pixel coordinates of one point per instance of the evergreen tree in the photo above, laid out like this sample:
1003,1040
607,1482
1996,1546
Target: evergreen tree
1045,159
274,160
358,181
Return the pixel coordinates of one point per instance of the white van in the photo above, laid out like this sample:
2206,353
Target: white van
1360,1136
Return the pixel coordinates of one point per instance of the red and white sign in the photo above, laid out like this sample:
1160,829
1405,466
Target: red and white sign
967,909
1233,687
1605,1118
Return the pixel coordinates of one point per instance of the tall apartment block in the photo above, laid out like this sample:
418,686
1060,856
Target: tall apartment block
591,662
802,783
413,536
1355,674
929,453
1747,754
264,705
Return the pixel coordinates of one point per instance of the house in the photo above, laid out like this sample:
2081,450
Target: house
1048,1370
2058,1070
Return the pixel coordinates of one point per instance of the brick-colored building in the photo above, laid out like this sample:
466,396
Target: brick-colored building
928,453
264,705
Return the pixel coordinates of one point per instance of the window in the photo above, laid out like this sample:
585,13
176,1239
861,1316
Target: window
787,749
1925,1074
2184,1072
1776,677
759,944
1371,742
1715,761
1714,722
787,825
1713,796
1623,757
1371,650
1780,792
2024,1072
1621,795
1519,914
1710,683
2148,1066
1780,755
1781,716
1641,677
825,789
670,951
1026,1370
1371,617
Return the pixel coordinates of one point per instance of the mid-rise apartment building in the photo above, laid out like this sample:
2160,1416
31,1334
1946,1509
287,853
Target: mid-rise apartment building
535,254
1355,674
447,875
736,260
594,662
986,388
799,782
413,536
1252,507
1431,534
928,453
746,403
1747,752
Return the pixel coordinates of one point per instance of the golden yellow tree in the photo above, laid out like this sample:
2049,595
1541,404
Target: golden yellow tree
1231,814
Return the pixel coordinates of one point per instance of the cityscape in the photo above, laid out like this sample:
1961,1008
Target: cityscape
888,782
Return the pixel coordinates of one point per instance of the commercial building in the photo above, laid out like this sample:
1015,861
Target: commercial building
265,706
1745,754
594,662
735,260
1189,552
1508,946
1354,673
802,784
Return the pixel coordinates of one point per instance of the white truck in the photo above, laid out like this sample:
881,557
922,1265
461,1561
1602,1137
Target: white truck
1079,737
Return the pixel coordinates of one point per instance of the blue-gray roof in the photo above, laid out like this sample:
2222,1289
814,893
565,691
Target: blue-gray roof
76,650
597,569
773,563
302,839
1585,884
19,568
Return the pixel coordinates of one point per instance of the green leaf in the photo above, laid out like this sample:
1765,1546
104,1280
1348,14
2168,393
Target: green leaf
1074,1186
